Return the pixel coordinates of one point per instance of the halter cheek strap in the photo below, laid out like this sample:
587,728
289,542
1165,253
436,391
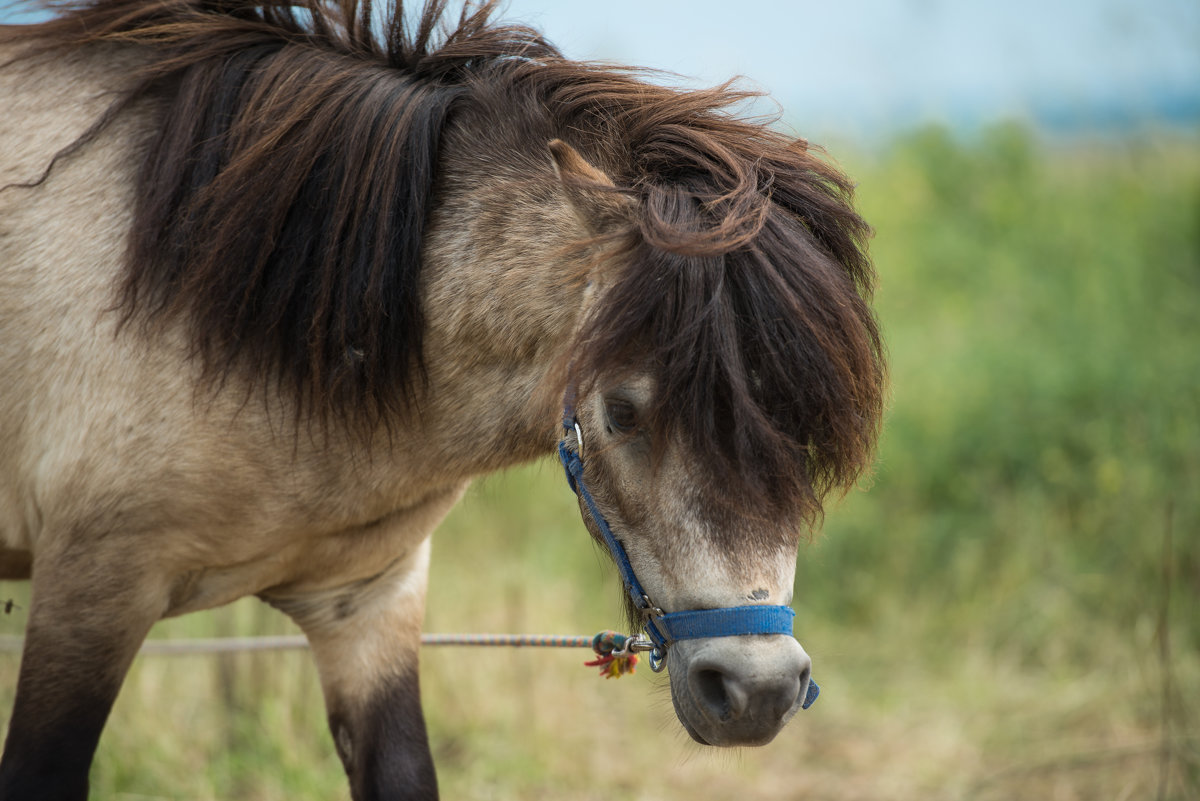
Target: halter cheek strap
664,628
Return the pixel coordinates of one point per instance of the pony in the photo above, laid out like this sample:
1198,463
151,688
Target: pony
278,279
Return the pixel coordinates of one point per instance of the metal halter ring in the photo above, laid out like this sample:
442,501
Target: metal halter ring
579,438
633,644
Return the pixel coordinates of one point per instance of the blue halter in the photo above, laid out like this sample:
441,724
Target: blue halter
664,628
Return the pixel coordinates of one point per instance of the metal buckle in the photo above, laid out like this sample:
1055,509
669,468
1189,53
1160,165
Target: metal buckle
658,656
649,610
579,438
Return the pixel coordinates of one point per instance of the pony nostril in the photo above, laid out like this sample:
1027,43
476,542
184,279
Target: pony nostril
805,677
789,693
722,697
749,699
802,680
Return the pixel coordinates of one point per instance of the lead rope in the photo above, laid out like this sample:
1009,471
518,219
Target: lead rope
616,653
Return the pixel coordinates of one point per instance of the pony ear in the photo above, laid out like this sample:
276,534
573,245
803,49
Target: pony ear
592,195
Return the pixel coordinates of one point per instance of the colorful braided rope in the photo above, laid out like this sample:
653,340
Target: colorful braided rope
510,640
612,657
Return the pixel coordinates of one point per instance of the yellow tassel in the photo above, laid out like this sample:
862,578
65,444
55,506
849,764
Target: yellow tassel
620,666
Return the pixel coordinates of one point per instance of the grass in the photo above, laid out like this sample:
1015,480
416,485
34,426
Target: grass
1010,610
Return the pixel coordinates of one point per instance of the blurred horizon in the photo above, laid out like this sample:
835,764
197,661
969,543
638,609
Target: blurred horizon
873,68
867,70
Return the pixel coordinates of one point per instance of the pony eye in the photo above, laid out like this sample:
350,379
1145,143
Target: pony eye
621,416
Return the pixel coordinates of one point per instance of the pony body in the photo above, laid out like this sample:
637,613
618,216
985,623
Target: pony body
272,293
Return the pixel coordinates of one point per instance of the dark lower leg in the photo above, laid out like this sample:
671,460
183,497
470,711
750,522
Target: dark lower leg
52,737
81,638
365,639
383,743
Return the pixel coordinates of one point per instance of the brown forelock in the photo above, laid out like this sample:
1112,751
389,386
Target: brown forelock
745,292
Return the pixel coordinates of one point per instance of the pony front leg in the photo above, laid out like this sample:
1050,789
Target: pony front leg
89,614
365,639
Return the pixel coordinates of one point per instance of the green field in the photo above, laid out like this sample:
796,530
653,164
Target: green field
1008,609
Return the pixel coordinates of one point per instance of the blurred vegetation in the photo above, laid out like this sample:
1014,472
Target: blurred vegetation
1042,308
1009,608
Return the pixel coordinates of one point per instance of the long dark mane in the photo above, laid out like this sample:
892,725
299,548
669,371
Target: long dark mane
281,203
281,206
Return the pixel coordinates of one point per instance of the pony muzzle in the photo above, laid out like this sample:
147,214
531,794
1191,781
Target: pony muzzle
739,691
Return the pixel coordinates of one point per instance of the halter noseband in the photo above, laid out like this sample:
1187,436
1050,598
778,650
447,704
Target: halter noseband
664,628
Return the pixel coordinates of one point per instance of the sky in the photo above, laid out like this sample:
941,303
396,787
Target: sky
860,68
858,65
